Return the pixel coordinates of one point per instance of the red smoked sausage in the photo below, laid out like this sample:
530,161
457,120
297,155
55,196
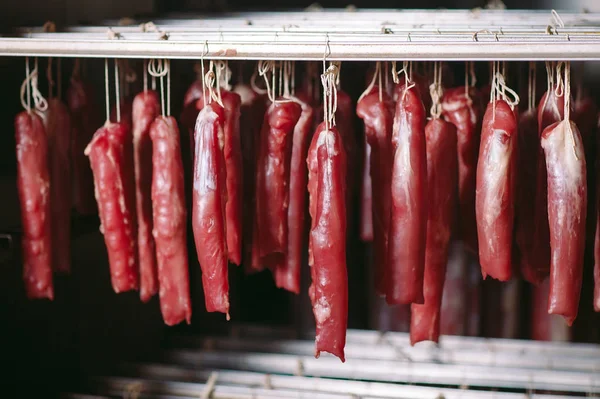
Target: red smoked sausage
208,207
567,206
442,183
378,117
272,177
495,190
57,122
287,271
109,153
408,218
329,288
85,119
146,107
169,217
464,112
33,183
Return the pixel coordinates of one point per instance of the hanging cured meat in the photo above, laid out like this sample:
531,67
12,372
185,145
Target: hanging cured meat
408,218
33,183
378,116
85,119
111,157
146,108
287,270
272,179
567,206
57,122
366,195
495,190
462,110
208,207
327,192
169,217
442,180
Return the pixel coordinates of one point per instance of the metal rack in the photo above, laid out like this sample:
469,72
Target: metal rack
337,34
262,362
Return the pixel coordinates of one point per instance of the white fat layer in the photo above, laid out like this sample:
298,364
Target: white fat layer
497,164
403,170
327,137
202,179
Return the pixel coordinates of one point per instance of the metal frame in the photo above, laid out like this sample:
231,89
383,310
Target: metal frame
336,34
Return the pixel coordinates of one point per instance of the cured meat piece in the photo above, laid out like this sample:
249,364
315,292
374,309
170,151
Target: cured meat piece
169,217
252,111
272,177
146,107
408,218
378,118
33,184
110,153
57,123
366,195
550,110
567,206
287,271
422,86
527,161
442,183
327,192
544,326
463,111
495,190
232,152
208,208
85,119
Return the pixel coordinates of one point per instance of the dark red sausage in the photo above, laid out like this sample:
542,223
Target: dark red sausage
272,177
329,289
85,119
146,107
464,112
109,153
567,206
169,217
33,183
550,110
442,183
287,271
527,161
232,151
378,117
57,123
408,218
208,207
496,190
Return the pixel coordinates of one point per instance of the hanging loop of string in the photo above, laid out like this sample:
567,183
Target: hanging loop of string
117,91
376,76
436,91
263,68
202,77
567,106
500,89
407,71
159,69
211,80
560,83
328,80
26,88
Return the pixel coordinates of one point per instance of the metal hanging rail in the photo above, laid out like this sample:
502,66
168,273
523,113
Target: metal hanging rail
336,34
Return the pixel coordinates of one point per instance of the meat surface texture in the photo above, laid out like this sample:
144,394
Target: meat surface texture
495,190
462,110
85,119
378,118
169,220
567,206
146,108
57,122
408,218
272,179
327,192
33,184
287,271
442,180
111,158
208,207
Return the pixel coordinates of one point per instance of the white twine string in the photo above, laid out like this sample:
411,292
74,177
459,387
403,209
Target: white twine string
39,102
531,85
210,80
293,75
373,79
158,69
26,88
407,71
472,73
263,69
567,109
436,91
203,77
467,85
559,91
500,90
257,89
106,90
328,79
117,91
145,73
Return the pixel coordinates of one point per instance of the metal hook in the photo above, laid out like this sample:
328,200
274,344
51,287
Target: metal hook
408,38
327,48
